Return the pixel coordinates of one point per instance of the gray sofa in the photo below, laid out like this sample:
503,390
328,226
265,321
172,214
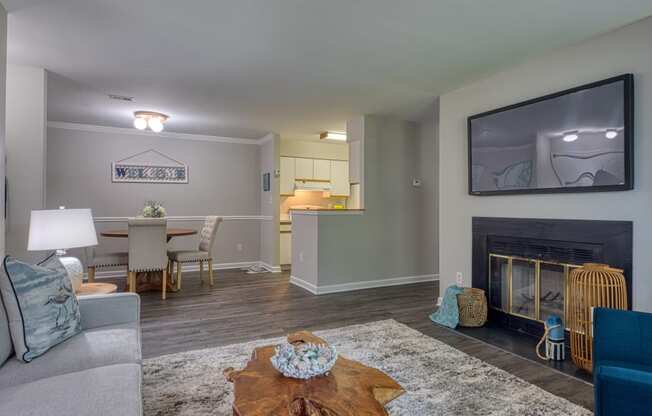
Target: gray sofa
97,372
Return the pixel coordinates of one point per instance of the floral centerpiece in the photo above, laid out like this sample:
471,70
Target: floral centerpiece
304,361
153,209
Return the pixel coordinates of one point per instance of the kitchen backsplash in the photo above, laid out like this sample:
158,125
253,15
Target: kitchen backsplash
312,198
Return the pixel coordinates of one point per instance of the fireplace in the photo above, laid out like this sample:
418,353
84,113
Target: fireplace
523,264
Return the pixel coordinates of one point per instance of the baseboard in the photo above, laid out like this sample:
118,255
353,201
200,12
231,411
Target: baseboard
368,284
190,267
269,267
303,284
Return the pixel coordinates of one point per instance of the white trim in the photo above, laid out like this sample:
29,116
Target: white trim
266,138
191,218
368,284
303,284
189,267
269,267
163,135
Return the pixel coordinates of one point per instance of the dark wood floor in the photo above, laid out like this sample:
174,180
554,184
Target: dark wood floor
243,307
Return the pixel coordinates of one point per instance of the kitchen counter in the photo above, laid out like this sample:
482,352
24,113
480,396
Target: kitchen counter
327,211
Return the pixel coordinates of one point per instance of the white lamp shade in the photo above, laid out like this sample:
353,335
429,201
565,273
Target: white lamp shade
55,229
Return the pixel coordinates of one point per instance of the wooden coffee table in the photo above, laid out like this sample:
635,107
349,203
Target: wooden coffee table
350,389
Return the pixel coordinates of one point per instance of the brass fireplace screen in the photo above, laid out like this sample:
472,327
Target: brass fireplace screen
529,288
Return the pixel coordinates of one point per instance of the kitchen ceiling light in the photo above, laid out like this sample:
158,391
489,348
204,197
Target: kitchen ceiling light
611,134
333,135
571,136
151,119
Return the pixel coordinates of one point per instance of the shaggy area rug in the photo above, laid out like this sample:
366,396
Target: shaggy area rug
439,379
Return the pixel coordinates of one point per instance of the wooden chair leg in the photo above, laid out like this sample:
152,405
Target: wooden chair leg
164,284
178,276
132,282
201,271
210,272
91,274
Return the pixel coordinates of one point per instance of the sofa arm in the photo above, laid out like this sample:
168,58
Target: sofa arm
113,309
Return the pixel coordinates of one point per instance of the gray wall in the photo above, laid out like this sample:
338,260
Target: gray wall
386,241
625,50
429,205
224,180
26,152
269,202
3,83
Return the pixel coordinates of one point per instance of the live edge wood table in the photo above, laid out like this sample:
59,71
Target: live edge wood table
350,389
149,285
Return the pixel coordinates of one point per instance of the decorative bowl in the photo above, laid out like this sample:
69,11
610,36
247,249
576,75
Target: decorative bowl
305,360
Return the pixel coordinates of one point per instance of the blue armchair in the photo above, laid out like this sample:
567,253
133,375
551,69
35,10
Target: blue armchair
622,362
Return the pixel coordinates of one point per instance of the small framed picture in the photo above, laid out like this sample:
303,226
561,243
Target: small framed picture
266,182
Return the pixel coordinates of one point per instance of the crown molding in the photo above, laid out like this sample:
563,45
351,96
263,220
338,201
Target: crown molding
163,135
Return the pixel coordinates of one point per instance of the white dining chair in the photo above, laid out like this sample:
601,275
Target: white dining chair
147,249
202,255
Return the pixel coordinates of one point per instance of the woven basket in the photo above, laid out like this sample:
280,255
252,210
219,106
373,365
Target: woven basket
472,305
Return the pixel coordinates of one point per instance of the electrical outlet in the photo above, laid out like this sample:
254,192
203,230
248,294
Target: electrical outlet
459,279
301,256
239,246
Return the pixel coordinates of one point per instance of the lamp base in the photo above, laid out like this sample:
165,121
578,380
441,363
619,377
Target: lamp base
75,271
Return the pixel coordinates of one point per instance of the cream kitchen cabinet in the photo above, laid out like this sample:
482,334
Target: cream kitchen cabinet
287,175
322,170
286,248
304,168
340,178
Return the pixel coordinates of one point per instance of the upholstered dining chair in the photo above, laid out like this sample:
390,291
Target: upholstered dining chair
202,255
147,249
105,260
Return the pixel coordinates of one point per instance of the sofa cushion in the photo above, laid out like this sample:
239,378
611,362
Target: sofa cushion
117,344
621,385
42,308
6,348
619,370
111,390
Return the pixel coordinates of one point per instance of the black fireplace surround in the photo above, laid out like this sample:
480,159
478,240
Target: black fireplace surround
569,241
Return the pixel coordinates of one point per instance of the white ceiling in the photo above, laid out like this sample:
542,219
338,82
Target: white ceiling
242,68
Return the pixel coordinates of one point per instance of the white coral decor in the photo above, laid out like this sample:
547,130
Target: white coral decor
304,361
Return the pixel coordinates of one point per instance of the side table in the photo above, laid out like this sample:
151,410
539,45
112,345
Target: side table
96,289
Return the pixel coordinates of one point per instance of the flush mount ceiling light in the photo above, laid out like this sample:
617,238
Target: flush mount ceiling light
151,119
333,135
611,134
571,136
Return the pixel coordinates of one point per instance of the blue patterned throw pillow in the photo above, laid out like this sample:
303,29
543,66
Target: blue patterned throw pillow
41,306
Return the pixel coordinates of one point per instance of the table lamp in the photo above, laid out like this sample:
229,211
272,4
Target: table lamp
62,229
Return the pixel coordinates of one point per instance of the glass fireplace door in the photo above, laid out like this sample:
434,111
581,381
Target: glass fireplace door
524,288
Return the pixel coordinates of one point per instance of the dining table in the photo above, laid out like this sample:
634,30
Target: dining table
171,233
151,280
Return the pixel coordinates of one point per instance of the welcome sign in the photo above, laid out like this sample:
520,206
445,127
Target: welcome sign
137,169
